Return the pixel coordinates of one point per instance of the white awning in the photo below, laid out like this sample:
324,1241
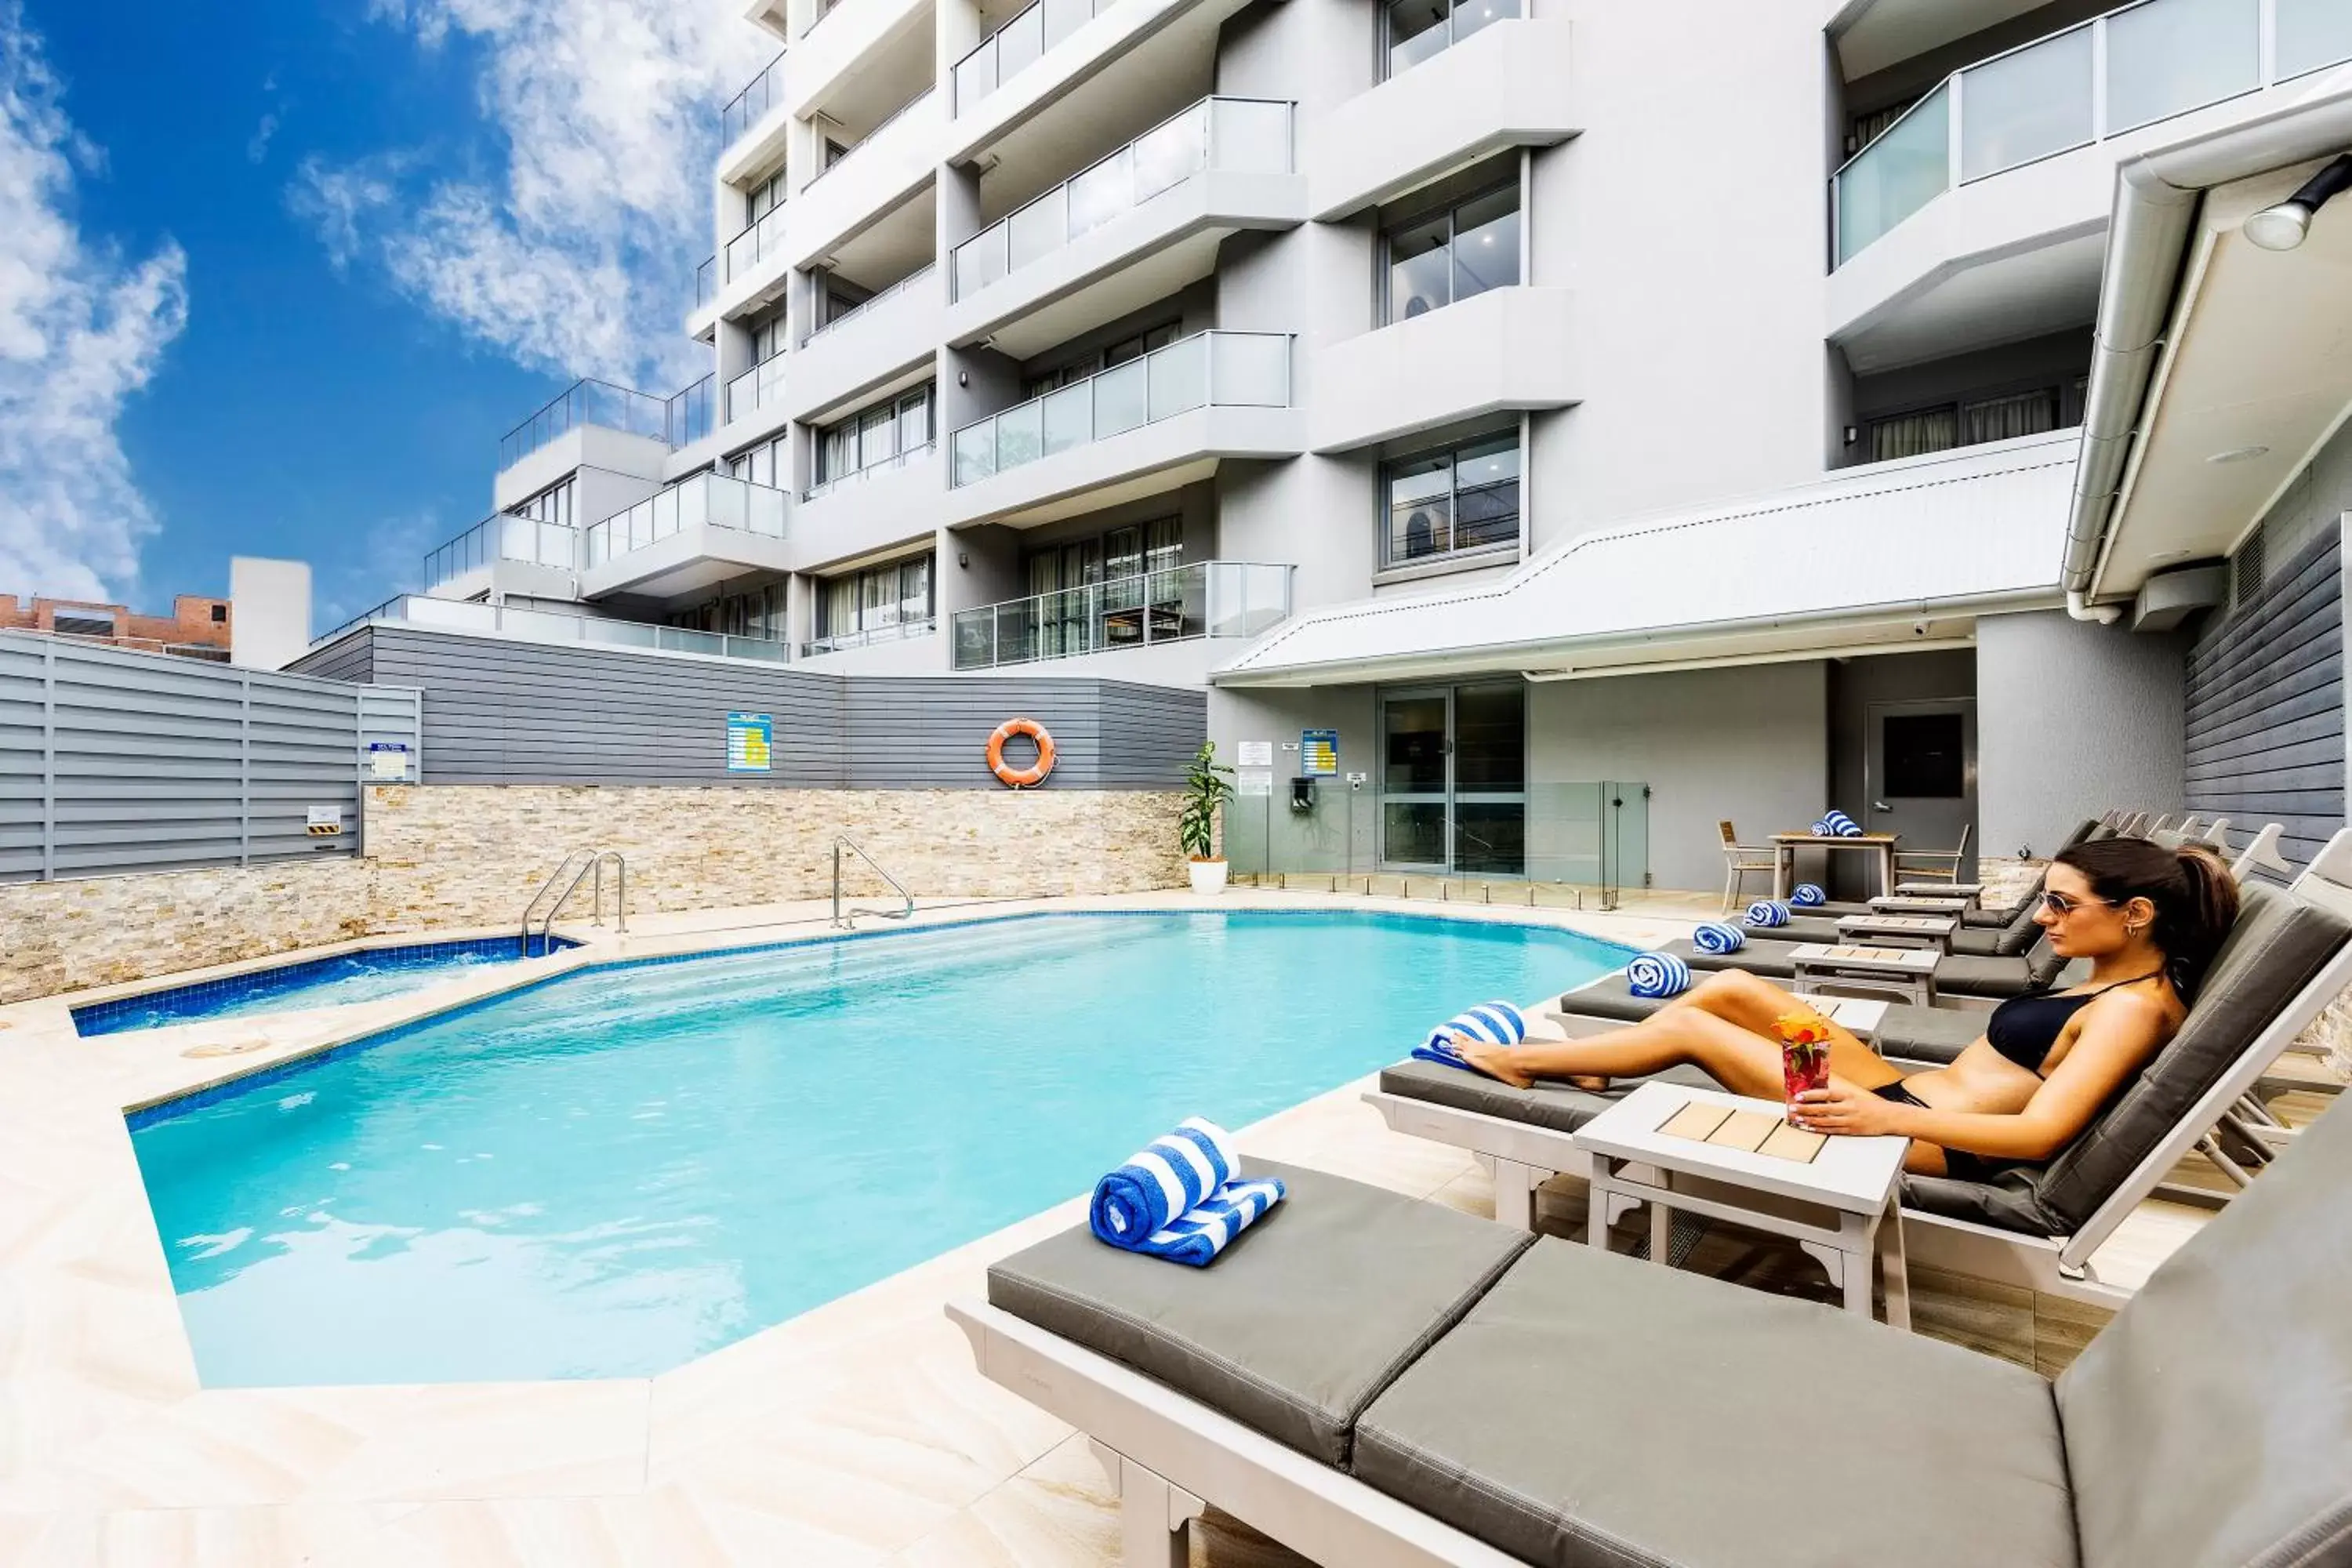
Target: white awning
1907,552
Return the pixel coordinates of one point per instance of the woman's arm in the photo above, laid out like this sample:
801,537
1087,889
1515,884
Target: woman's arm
2115,1035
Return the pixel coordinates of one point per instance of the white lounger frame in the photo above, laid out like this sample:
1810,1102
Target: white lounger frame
1167,1454
1523,1156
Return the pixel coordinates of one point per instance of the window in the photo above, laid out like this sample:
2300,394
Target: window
767,337
553,505
1950,425
1460,497
766,196
1861,130
770,463
1132,347
220,615
1416,29
1449,256
753,613
859,605
1107,590
1925,755
876,437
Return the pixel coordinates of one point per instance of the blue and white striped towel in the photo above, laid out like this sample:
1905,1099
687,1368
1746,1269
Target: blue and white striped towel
1198,1234
1717,937
1823,829
1657,975
1158,1184
1839,826
1766,913
1489,1022
1807,896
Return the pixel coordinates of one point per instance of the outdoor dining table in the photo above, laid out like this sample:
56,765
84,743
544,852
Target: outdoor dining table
1786,845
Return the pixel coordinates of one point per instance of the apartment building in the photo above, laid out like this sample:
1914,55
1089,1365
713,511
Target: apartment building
1506,408
197,627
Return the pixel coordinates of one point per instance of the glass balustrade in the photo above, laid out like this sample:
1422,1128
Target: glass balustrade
2161,58
1226,369
849,155
598,402
1016,45
503,538
1205,599
554,627
906,285
1246,135
762,386
867,637
706,283
762,240
874,470
707,499
752,104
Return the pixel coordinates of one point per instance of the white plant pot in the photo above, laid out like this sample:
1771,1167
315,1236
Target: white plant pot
1208,876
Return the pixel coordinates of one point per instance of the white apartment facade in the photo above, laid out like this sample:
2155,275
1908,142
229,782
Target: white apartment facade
1531,396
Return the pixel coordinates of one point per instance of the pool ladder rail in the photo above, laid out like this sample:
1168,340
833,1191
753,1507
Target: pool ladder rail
578,867
849,921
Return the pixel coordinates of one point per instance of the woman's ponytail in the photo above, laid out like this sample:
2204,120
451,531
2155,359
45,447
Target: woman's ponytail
2195,897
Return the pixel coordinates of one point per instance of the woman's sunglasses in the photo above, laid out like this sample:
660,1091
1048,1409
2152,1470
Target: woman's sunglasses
2062,904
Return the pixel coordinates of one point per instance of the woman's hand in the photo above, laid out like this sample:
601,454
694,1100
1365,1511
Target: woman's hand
1843,1111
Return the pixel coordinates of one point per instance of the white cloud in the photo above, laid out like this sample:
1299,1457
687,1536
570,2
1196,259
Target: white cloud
81,329
578,259
336,201
258,148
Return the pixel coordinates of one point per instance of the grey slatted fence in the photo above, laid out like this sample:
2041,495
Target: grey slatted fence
115,762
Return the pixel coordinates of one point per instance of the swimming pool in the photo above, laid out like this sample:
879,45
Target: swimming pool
365,976
618,1170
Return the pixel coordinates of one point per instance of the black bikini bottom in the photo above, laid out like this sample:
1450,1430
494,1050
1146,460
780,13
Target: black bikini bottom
1957,1164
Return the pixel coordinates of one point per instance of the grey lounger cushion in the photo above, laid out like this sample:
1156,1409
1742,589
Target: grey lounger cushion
1553,1104
1611,997
1242,1336
1933,1034
1960,973
1594,1410
2211,1422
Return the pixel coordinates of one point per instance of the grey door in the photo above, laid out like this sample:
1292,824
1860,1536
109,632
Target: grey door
1920,775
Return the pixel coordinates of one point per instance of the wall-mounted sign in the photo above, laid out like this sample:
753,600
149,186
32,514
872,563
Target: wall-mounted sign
1254,781
750,742
1319,753
325,821
387,761
1256,754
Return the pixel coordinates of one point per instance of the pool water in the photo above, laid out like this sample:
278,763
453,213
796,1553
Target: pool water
365,976
616,1171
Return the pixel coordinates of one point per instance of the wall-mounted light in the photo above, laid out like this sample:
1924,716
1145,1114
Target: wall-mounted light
1853,435
2283,226
963,378
963,558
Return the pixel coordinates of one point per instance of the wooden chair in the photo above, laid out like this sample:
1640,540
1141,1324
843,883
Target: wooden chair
1931,865
1738,859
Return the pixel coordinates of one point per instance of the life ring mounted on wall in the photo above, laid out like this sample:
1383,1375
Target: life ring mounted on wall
1021,778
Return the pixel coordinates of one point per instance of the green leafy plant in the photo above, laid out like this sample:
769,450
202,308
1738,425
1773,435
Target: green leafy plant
1204,791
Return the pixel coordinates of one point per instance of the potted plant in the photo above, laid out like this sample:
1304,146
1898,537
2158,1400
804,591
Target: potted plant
1205,790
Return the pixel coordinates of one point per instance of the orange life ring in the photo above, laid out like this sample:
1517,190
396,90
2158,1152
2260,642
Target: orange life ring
1032,775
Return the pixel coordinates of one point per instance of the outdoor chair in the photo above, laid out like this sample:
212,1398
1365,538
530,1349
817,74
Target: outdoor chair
1378,1382
2288,956
1933,865
1738,860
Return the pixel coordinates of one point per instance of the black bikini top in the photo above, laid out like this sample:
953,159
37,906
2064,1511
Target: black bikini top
2023,1028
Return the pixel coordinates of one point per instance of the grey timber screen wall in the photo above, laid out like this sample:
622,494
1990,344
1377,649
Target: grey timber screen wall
117,762
2265,731
499,710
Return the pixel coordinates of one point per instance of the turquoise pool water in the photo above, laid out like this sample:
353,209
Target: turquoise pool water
616,1171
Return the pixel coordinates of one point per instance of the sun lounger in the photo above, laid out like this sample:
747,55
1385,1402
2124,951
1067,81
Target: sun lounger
1963,975
1930,1037
1377,1383
2289,955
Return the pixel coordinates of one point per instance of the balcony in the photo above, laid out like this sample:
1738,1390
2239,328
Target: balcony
1018,45
1232,599
415,611
868,345
688,537
754,263
845,43
548,552
1132,229
1506,348
1500,86
1148,425
858,514
752,125
891,162
871,636
758,391
586,403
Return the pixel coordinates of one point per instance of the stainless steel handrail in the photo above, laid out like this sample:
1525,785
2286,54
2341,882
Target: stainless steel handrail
571,878
842,841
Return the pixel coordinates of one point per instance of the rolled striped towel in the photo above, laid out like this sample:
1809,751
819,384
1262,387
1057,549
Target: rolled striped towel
1198,1234
1824,828
1808,896
1156,1184
1766,913
1841,825
1657,975
1717,937
1489,1022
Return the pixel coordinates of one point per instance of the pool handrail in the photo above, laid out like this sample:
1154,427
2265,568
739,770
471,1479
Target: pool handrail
843,841
569,878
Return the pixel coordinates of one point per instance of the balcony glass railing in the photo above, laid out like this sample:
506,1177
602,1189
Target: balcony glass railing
1248,135
868,140
762,240
762,386
553,626
713,500
912,281
866,636
706,283
874,470
1206,599
503,538
598,402
752,104
2116,73
1015,48
688,417
1248,370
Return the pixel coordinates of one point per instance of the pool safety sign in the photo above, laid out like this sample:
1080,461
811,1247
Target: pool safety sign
1319,753
750,742
387,761
326,822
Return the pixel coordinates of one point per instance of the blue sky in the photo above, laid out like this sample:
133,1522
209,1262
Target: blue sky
276,275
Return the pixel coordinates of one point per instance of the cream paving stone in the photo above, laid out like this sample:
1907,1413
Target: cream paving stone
199,1537
1057,1512
589,1533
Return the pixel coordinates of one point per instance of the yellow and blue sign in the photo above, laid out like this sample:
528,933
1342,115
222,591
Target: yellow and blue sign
750,742
1319,753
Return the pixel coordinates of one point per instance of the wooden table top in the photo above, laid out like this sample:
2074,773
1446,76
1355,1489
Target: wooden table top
1833,840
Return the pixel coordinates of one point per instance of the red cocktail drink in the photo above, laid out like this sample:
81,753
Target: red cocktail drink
1804,1054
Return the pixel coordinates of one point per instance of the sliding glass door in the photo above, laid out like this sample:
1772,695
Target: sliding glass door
1454,785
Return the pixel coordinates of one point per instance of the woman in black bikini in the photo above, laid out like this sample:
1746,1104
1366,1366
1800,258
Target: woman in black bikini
2148,918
